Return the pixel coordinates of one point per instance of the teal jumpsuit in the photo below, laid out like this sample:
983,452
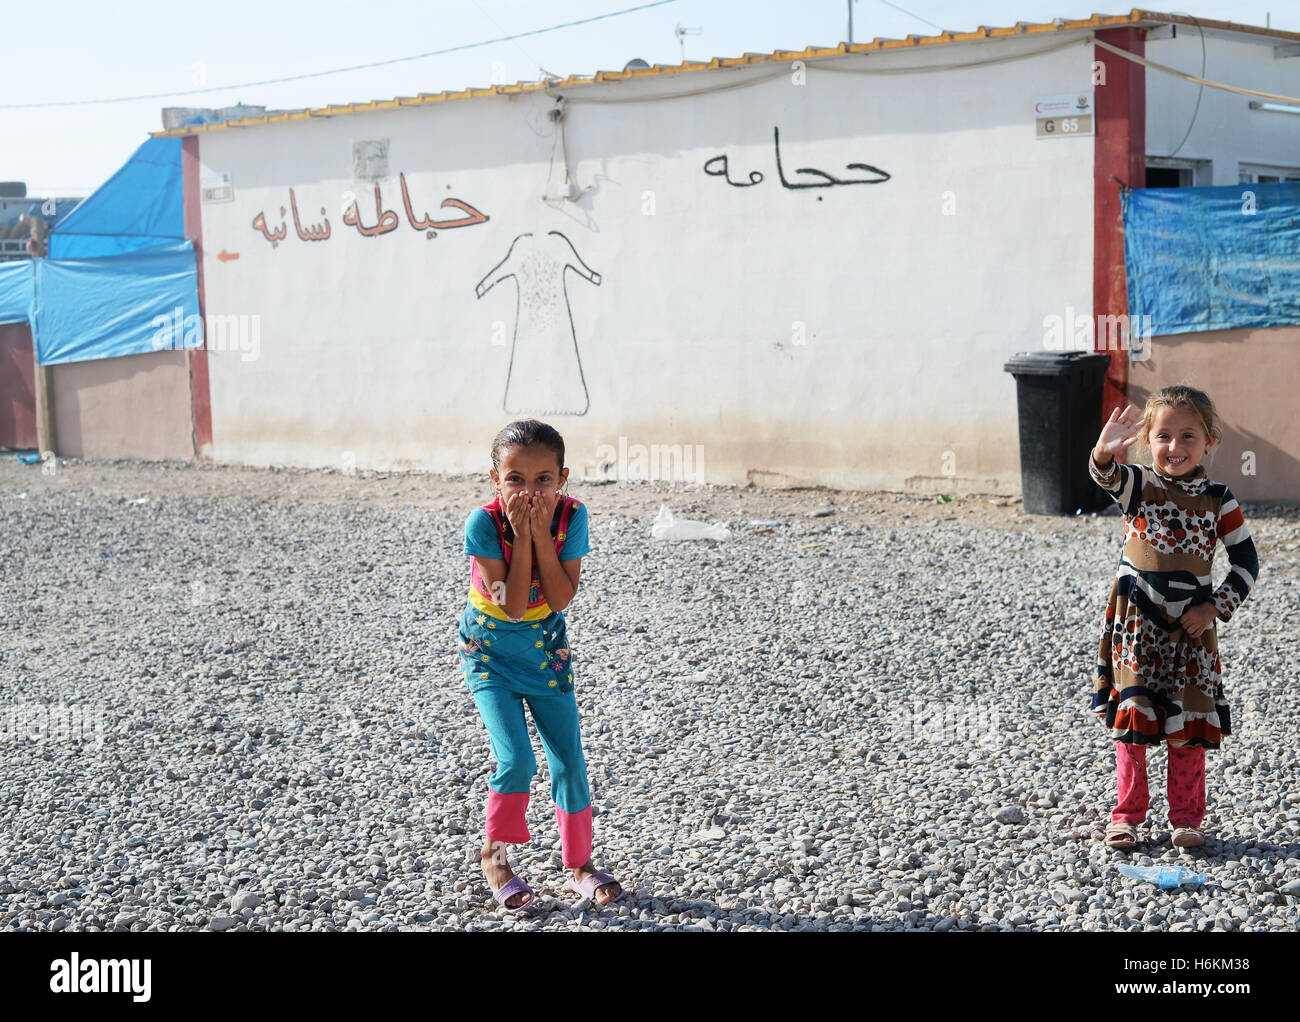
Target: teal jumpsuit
507,664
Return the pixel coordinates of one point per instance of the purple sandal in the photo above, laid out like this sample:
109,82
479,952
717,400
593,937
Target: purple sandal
589,884
509,889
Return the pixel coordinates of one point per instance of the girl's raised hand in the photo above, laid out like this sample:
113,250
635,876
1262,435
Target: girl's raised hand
517,510
1118,434
542,512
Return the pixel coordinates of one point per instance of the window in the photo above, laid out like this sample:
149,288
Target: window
1167,172
1168,177
1259,173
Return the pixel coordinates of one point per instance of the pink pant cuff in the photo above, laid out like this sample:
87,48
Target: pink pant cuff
575,836
505,817
1185,785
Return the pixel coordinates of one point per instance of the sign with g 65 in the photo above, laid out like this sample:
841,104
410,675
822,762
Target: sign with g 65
1063,115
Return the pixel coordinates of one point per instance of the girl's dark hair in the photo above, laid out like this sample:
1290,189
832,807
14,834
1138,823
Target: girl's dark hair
526,433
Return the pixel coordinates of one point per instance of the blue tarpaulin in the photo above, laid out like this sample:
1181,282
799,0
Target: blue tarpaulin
1213,258
128,304
141,206
16,291
121,279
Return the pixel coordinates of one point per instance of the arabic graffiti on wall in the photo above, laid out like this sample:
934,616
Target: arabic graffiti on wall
386,220
545,375
718,166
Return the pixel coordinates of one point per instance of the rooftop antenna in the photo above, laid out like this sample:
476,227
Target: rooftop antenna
681,31
851,22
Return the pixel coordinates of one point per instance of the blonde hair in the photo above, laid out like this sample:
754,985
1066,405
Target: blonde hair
1180,395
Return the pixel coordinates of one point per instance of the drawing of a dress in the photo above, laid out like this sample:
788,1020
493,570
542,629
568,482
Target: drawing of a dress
545,374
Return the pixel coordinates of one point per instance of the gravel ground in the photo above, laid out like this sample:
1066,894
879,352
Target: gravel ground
231,702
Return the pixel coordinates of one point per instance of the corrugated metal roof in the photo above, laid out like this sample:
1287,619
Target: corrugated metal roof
1136,16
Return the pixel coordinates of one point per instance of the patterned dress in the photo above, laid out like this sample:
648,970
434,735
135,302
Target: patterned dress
1155,682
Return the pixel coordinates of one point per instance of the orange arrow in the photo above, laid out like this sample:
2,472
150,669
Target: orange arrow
225,256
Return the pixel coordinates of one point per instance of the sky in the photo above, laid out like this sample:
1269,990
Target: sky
85,50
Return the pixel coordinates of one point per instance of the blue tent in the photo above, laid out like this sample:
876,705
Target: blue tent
121,278
141,206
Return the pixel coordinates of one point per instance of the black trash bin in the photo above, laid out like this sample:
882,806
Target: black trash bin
1059,397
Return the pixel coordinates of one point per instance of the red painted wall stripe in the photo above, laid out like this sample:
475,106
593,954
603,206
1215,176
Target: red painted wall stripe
1120,153
200,392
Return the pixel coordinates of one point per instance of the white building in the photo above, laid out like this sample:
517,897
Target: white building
811,264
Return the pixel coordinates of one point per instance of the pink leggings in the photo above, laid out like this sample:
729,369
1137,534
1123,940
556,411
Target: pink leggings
1186,785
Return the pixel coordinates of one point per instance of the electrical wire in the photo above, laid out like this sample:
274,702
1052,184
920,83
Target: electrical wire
671,95
1200,90
337,70
1192,78
531,59
785,71
925,68
922,68
911,15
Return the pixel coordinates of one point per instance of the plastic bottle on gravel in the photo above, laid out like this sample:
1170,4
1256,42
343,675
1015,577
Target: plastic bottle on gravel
1164,877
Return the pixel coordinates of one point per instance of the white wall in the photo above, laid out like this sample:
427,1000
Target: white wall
378,346
1225,130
